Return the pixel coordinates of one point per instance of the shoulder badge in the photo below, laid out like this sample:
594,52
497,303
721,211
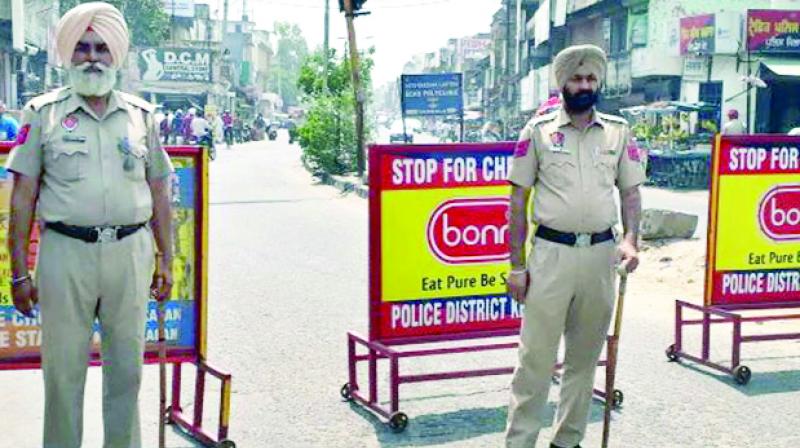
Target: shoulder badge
51,97
136,101
613,118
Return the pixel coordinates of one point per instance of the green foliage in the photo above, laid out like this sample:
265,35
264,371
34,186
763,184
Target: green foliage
291,51
148,24
328,137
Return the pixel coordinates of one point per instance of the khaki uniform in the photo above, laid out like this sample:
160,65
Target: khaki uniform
573,174
78,159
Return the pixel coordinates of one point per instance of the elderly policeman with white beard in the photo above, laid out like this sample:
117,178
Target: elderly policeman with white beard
90,158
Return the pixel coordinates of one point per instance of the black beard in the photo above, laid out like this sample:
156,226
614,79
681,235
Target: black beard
581,101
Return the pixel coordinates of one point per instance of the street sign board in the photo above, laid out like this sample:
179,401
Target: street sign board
432,94
175,64
20,337
754,221
773,31
439,251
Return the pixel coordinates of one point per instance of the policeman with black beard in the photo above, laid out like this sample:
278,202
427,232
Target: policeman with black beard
572,158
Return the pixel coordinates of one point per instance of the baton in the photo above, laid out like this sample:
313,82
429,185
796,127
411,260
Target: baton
162,373
613,345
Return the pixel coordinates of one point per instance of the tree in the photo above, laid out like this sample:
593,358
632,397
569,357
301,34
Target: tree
148,24
292,50
328,137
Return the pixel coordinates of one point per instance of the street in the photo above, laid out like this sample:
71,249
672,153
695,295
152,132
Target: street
288,278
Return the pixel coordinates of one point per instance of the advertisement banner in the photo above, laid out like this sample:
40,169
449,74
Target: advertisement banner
439,251
20,336
432,94
754,229
697,35
773,31
175,64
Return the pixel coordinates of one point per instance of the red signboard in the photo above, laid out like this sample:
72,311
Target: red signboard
697,34
439,252
754,225
773,31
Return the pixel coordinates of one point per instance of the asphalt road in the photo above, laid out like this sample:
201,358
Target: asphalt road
288,278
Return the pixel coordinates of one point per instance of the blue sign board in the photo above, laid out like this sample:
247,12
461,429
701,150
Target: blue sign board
432,94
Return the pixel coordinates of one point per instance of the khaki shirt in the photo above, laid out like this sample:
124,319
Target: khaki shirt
79,158
574,172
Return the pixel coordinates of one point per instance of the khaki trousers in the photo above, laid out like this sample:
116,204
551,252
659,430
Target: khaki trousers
571,293
78,281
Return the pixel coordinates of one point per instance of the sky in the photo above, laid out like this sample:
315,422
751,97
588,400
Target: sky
398,29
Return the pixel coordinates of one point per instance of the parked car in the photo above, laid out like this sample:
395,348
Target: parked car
396,134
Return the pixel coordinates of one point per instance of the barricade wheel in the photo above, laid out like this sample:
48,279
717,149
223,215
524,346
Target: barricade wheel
742,374
618,398
225,444
398,422
346,392
672,353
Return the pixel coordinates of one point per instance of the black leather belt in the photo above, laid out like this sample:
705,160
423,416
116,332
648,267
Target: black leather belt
95,234
573,239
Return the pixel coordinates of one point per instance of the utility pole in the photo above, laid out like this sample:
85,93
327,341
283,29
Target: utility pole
359,95
325,45
224,21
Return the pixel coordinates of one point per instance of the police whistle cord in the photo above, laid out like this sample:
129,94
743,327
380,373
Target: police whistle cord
612,346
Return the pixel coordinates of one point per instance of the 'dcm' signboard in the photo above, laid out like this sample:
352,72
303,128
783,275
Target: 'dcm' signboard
754,231
185,317
439,249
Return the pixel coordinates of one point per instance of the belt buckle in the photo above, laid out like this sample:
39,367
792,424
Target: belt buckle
106,234
583,239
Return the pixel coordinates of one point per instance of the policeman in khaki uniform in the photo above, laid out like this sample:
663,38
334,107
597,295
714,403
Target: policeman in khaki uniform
572,158
90,157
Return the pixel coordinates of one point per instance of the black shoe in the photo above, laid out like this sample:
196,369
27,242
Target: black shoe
553,445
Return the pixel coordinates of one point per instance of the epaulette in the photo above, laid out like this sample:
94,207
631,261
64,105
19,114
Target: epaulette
54,96
613,118
136,101
550,116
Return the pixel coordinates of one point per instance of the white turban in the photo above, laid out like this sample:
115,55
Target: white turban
569,59
104,19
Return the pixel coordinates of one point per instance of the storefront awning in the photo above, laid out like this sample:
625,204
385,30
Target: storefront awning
783,68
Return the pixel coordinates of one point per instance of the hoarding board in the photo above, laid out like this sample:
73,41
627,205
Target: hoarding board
439,252
754,226
697,35
773,31
175,64
20,336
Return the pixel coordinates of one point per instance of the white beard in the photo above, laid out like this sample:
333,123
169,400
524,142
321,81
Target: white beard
92,83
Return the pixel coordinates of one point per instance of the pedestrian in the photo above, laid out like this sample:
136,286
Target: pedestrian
186,125
734,125
227,123
177,127
572,158
89,162
166,127
199,127
8,125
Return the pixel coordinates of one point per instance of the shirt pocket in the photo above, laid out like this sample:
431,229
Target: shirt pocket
68,162
137,158
558,169
606,165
